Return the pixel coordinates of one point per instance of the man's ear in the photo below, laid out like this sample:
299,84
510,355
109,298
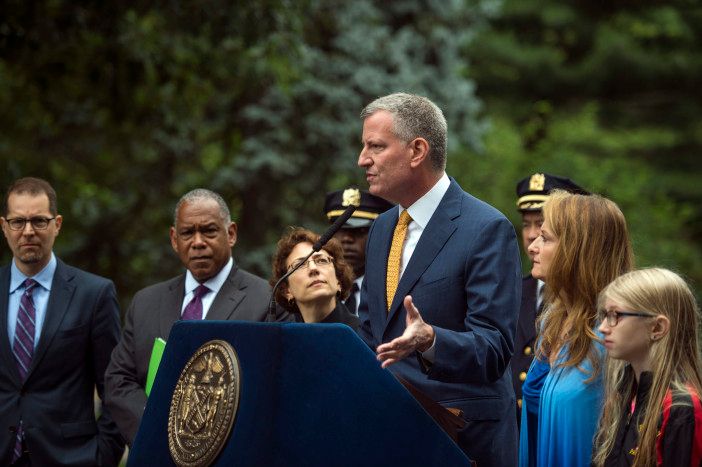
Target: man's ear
58,220
174,239
232,234
420,151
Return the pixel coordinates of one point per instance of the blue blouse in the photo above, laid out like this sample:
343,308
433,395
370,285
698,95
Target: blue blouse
559,414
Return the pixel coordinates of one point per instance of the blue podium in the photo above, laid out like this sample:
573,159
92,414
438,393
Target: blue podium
311,395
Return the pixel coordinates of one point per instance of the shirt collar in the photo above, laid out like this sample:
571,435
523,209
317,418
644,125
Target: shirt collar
214,283
422,209
43,277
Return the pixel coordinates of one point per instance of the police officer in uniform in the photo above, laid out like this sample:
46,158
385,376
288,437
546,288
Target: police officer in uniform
354,233
532,192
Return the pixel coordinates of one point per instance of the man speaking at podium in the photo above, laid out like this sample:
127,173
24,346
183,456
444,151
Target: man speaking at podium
213,287
442,287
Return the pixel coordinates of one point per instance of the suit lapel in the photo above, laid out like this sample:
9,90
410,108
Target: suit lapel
171,305
383,227
433,238
62,290
228,298
7,358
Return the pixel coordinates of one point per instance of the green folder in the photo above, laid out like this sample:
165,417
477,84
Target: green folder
156,354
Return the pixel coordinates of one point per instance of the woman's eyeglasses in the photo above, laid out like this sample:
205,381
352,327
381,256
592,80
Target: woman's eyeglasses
319,261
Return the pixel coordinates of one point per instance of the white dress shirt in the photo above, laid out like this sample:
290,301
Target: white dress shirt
357,294
420,212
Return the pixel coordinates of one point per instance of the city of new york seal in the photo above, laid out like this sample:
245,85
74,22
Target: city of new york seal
204,405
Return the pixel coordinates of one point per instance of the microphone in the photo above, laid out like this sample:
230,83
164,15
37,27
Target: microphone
341,220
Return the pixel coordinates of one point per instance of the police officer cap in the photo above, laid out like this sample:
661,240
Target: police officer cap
533,191
368,206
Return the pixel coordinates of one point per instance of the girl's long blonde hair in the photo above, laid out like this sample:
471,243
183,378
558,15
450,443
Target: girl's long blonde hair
674,359
593,249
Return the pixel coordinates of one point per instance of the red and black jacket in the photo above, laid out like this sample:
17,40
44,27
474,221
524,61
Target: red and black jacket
679,442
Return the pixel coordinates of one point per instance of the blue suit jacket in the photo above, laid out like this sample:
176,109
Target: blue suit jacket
55,402
464,277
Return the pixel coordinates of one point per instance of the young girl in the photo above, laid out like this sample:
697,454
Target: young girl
652,412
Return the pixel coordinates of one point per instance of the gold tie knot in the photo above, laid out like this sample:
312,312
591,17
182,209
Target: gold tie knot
395,257
405,219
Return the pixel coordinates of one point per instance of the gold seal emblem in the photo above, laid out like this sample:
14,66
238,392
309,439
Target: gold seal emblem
536,182
204,405
351,196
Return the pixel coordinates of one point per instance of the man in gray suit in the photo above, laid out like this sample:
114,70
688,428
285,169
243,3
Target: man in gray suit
213,287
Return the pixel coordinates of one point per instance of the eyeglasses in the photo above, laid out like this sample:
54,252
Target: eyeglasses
612,317
38,223
319,261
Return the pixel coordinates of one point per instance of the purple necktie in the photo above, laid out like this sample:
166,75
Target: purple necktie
193,310
23,346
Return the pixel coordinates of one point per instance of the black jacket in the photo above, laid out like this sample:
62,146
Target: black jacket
680,427
340,314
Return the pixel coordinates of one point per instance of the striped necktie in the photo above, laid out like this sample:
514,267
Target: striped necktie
23,348
395,257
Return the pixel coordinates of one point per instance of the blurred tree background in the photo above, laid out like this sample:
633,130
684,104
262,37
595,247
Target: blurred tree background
125,106
607,94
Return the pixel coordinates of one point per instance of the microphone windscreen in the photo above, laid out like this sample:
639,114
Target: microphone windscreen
340,221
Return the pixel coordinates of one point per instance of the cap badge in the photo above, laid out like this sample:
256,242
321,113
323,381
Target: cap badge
536,182
351,196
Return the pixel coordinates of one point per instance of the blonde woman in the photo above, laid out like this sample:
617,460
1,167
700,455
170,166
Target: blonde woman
584,244
652,413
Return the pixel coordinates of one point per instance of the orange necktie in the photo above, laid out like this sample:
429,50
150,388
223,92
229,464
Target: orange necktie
395,256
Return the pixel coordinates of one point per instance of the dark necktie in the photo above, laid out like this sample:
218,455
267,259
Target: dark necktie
23,347
351,301
193,310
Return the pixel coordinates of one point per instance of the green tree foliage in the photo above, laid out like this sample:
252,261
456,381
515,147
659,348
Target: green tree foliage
606,93
126,106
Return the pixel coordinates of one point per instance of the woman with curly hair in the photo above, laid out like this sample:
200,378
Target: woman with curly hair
652,412
583,246
313,293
